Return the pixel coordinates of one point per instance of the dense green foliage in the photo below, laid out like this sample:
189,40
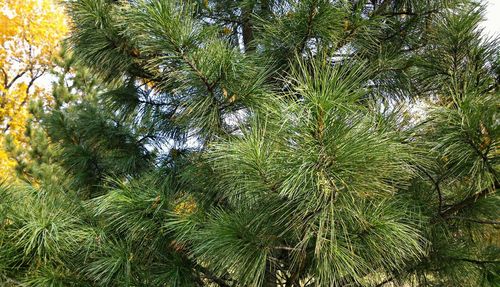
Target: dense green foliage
263,143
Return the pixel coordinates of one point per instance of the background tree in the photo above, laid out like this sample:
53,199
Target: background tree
267,143
29,34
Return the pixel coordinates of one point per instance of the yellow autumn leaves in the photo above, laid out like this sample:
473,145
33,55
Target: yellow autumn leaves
185,206
30,32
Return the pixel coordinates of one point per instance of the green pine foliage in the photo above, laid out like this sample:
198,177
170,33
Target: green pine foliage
263,143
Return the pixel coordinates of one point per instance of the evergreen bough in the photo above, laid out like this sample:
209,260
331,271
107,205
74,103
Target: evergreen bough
263,143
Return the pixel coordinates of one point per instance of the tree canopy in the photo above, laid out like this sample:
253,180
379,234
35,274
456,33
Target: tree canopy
264,143
30,32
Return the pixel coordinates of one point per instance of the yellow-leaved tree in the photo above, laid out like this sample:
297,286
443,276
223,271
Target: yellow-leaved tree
30,32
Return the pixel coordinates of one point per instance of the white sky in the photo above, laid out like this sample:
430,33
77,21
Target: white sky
492,23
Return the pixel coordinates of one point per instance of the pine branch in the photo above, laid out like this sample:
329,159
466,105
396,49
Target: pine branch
381,8
479,262
484,158
388,280
468,201
480,221
437,188
310,18
409,13
153,103
225,20
13,281
477,196
209,275
194,68
394,277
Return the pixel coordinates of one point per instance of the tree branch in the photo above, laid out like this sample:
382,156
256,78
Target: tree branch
436,185
8,85
209,275
34,77
312,13
388,280
13,281
480,221
468,201
247,28
5,77
479,262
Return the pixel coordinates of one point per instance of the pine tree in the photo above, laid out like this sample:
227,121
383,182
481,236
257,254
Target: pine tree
267,143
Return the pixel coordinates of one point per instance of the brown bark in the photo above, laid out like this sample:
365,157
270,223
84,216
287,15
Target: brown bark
247,28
